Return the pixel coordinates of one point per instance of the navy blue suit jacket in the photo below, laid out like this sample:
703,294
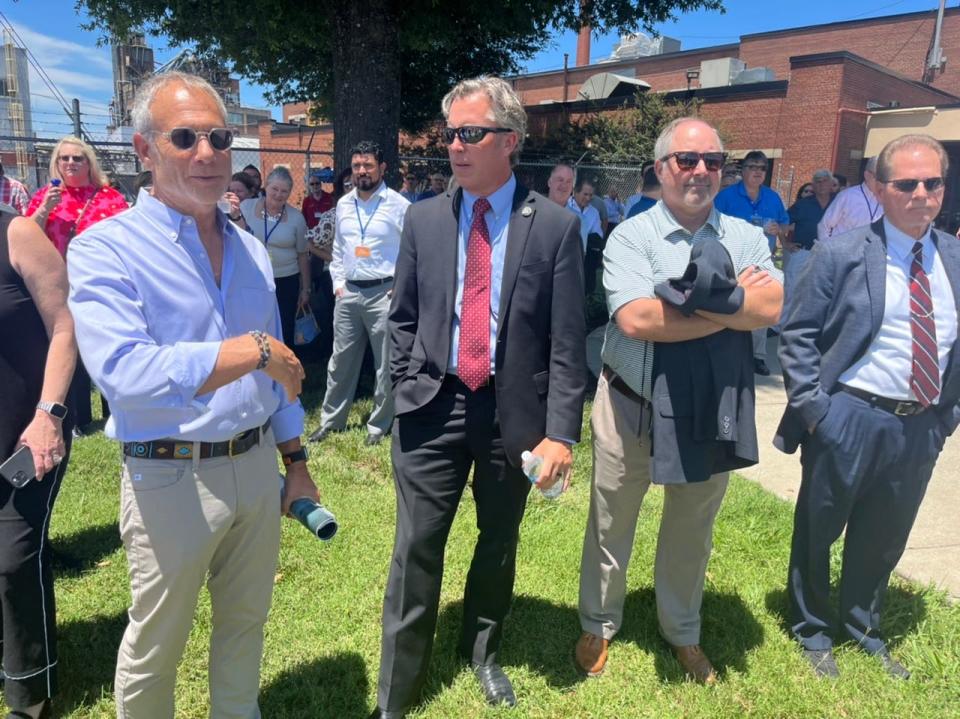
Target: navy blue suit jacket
835,313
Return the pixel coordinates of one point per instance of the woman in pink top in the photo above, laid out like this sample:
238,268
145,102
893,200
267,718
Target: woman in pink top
80,198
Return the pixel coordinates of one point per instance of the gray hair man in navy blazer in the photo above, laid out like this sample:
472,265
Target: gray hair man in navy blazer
487,359
869,354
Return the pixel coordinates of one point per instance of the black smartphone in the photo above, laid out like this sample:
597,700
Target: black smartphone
19,469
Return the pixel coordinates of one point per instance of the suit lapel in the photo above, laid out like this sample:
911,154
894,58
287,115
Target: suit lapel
519,230
949,249
875,258
449,232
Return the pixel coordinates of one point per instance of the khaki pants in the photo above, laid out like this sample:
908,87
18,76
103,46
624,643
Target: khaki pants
183,522
621,477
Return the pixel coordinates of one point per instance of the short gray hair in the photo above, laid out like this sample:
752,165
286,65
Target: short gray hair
821,173
662,146
280,173
140,115
507,109
885,158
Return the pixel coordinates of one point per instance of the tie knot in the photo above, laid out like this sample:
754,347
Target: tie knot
481,206
918,251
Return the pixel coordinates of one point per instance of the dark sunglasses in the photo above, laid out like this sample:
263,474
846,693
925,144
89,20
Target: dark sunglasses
469,134
185,138
713,161
72,158
314,184
931,184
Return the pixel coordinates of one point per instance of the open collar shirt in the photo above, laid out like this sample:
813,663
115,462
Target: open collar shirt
150,320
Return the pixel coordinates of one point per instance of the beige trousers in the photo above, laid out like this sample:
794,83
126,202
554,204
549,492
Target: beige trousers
184,522
621,477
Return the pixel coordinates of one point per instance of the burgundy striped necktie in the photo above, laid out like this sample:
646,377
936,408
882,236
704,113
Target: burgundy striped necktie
925,369
473,358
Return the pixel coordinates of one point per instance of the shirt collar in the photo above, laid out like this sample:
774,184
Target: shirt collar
901,244
379,194
170,220
713,220
501,199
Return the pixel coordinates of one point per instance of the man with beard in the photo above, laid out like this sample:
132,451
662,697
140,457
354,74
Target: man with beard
369,222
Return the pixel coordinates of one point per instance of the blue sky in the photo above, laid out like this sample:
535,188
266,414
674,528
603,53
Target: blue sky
72,60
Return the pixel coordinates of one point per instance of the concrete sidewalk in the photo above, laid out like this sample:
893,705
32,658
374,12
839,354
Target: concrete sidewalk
933,551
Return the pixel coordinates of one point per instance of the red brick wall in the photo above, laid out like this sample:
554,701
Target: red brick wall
900,43
272,144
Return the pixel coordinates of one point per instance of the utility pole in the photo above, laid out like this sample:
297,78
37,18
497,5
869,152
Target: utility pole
76,117
935,59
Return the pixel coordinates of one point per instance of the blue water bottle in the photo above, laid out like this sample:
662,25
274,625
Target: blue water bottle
312,515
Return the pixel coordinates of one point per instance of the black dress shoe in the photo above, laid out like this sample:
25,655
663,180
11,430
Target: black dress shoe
320,435
45,713
760,367
495,684
379,713
892,666
822,662
373,440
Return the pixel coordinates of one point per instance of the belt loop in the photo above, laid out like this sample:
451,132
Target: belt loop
196,457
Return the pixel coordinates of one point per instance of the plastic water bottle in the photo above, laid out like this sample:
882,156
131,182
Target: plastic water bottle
532,464
314,516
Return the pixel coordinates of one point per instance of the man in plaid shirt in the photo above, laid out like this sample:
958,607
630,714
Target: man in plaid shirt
13,193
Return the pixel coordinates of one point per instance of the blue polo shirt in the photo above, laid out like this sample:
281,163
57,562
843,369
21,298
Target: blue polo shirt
643,204
735,201
806,213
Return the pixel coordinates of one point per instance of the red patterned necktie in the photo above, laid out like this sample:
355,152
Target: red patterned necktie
925,369
473,359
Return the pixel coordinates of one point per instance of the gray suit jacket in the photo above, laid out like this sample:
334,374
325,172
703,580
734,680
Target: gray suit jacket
835,314
540,357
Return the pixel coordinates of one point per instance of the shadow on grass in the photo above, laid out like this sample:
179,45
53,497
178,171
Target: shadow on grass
80,551
87,652
729,632
903,611
328,688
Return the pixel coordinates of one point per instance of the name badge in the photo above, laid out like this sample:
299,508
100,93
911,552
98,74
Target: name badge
361,251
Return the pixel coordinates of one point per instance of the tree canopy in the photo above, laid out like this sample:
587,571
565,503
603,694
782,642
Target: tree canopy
376,66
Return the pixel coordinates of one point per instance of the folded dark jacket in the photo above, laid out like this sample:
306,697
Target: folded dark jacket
709,282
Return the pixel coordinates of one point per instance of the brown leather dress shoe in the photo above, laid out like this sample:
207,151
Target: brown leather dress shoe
696,664
591,654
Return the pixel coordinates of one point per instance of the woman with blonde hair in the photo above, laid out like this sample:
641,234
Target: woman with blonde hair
77,196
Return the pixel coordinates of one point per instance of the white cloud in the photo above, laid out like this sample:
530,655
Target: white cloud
61,59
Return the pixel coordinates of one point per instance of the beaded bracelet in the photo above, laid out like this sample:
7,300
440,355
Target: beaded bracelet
263,344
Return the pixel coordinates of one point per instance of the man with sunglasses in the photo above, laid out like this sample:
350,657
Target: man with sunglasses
317,200
484,367
648,249
871,363
178,324
751,200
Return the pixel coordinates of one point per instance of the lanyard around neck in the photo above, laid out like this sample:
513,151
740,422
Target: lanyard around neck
363,227
873,208
266,235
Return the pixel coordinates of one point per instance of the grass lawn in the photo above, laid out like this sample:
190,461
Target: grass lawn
323,636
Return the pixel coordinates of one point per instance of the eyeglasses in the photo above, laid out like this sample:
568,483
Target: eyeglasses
931,184
185,138
469,134
314,184
713,161
72,158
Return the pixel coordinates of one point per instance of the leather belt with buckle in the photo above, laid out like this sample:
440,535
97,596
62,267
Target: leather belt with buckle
177,449
366,284
616,381
899,407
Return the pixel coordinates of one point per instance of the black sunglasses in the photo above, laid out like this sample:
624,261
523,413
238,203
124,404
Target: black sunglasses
314,184
931,184
469,134
185,138
687,160
72,158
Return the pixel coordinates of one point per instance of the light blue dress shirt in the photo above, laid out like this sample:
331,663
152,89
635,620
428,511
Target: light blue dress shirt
150,319
498,222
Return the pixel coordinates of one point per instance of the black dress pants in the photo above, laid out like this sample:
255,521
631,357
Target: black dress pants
26,589
865,469
433,451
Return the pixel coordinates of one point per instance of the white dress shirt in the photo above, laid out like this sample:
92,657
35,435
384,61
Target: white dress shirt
367,238
852,207
589,220
885,368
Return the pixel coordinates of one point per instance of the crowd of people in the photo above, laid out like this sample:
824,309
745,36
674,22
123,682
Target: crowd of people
470,295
